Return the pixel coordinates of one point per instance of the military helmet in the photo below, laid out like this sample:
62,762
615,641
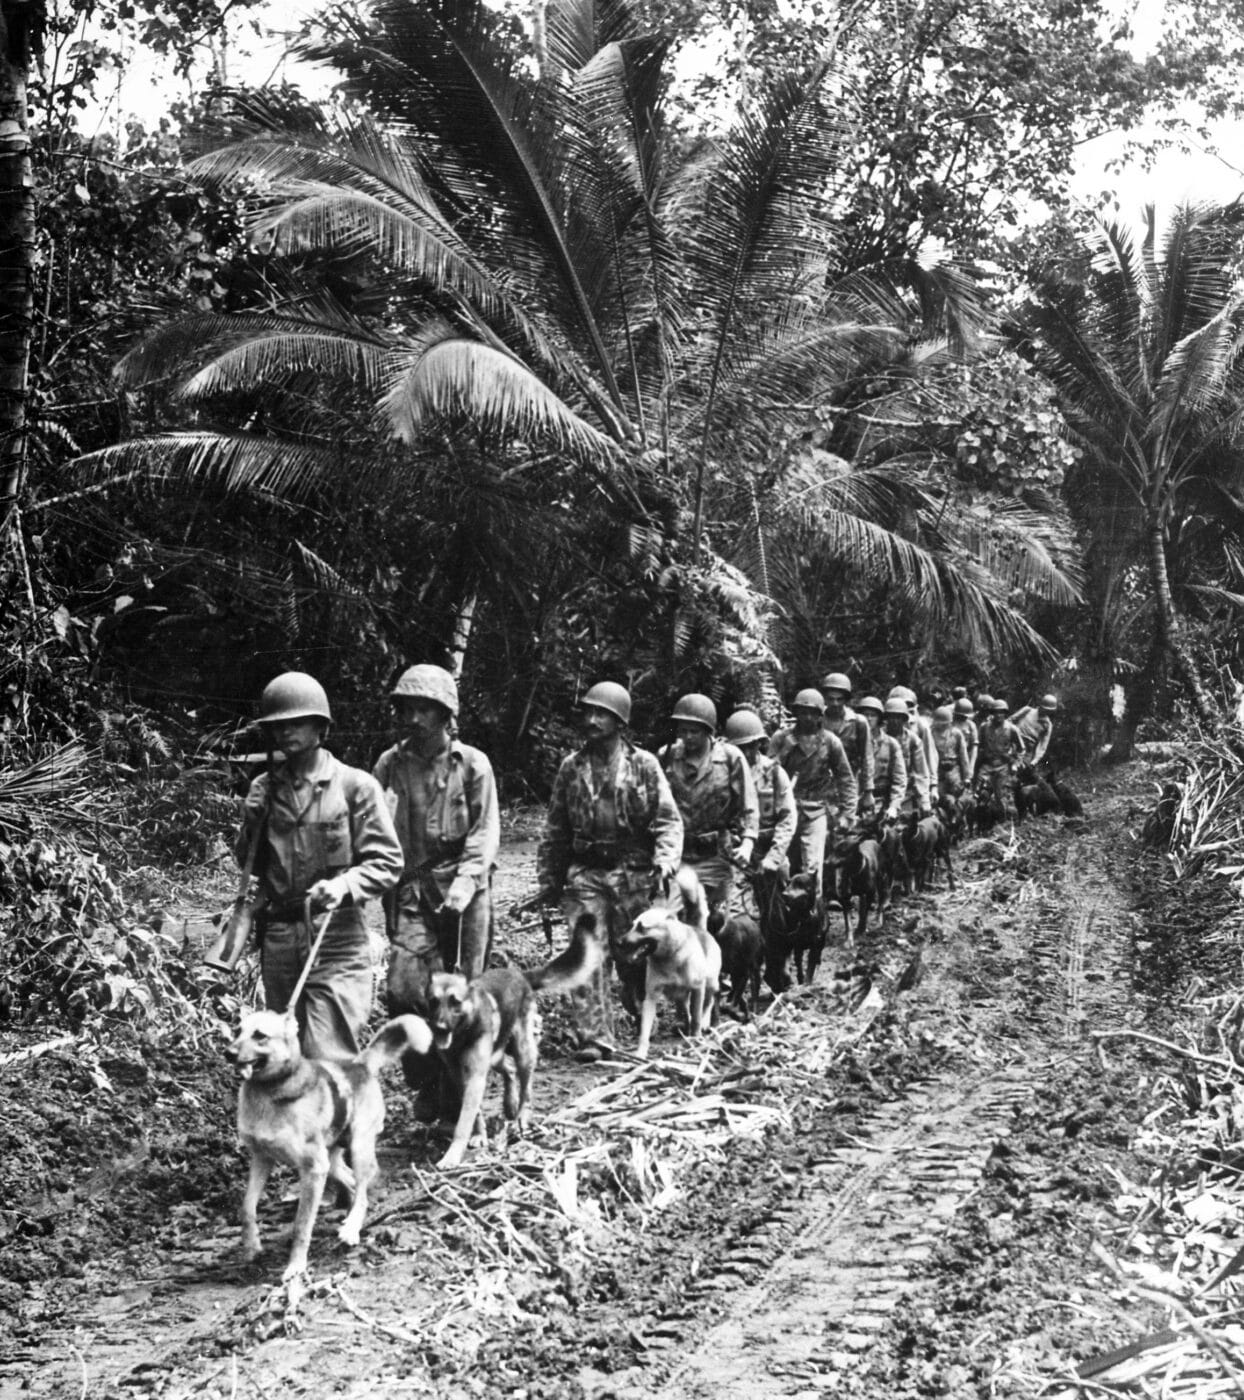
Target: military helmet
428,683
607,695
896,705
836,681
1048,702
293,695
998,705
696,709
984,701
870,702
943,714
963,706
903,693
744,727
809,700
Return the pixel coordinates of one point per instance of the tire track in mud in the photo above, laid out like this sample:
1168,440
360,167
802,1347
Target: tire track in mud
807,1292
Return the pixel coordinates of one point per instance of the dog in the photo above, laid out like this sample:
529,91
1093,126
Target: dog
862,880
680,960
490,1023
1033,795
1068,799
307,1113
925,842
742,958
799,932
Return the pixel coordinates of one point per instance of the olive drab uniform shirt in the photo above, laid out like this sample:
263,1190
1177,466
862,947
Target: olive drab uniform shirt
716,798
889,773
971,736
776,800
856,736
1001,744
330,821
1035,729
623,816
445,812
820,776
917,768
954,768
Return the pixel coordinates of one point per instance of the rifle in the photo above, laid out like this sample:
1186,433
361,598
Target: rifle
236,932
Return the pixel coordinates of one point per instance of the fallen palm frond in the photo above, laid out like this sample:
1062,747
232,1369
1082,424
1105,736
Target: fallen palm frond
46,792
1200,820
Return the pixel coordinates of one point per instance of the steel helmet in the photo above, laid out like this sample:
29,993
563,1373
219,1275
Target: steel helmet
606,695
836,681
1048,702
943,714
293,695
999,705
984,701
870,702
697,709
896,705
809,700
964,706
744,727
428,683
903,693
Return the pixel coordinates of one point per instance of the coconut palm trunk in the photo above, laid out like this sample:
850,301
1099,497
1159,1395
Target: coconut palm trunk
17,241
1169,635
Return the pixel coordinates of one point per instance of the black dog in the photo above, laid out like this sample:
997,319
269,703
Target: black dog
862,879
742,958
799,929
926,842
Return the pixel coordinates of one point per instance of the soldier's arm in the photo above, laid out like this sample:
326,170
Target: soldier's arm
667,827
252,815
377,860
746,801
1043,743
919,775
483,841
553,852
868,768
786,812
898,780
844,779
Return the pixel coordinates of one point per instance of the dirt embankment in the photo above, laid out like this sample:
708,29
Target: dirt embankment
914,1178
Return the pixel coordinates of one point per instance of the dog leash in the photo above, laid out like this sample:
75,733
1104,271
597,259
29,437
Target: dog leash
313,954
458,959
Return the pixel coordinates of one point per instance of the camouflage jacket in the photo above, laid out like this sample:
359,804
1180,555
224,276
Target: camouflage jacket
622,815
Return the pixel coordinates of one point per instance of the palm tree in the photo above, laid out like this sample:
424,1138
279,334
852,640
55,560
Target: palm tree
589,304
1142,342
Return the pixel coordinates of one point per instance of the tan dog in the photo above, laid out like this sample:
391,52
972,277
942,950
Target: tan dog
491,1023
306,1113
681,961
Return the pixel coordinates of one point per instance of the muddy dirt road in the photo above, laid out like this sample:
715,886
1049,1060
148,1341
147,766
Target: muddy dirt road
888,1185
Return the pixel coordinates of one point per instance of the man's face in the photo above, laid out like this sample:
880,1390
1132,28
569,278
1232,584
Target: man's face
599,725
750,751
807,720
996,717
419,720
835,703
694,737
296,736
895,724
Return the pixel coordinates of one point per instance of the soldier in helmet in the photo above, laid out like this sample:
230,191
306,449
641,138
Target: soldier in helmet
612,831
854,731
1036,726
954,772
922,728
444,802
966,724
820,773
889,762
712,785
917,799
1001,749
324,836
775,798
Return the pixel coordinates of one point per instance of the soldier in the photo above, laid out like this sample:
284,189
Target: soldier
916,797
1036,727
611,833
923,731
712,785
854,731
774,795
1001,749
954,771
444,802
889,764
964,710
322,833
820,773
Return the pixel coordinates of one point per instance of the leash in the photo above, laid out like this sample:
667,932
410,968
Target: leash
458,958
312,955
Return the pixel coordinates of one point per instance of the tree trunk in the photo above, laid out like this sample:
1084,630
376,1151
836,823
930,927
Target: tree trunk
1169,633
17,242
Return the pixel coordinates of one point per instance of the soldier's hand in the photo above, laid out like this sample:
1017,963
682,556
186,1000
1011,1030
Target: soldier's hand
743,852
329,894
461,892
771,862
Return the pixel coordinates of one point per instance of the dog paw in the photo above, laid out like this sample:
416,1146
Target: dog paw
348,1234
294,1269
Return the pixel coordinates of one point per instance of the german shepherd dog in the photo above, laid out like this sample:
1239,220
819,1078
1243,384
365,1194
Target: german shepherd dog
306,1113
680,960
490,1023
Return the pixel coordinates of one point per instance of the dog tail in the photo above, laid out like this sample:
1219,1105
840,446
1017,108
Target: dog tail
394,1039
576,964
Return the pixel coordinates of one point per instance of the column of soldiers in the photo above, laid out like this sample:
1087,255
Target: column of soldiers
423,830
